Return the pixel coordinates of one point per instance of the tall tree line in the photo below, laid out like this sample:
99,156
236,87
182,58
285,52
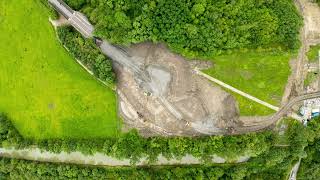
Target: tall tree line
196,27
87,53
275,163
132,146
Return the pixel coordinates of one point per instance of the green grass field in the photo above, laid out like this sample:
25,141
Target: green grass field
313,53
248,107
42,89
260,74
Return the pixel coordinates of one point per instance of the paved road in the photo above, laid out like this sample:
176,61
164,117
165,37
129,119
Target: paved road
76,19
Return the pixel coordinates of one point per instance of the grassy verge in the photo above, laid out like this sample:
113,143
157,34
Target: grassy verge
310,78
248,107
44,91
260,74
312,54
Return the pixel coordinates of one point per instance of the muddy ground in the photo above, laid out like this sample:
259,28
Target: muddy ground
205,108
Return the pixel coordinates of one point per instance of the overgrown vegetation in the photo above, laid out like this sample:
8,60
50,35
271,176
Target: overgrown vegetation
42,89
274,162
310,165
87,52
313,53
311,77
196,28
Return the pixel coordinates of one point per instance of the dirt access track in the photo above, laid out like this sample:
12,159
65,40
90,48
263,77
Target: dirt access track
309,35
205,108
311,13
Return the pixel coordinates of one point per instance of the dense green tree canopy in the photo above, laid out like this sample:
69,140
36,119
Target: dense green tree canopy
196,27
132,146
87,53
273,163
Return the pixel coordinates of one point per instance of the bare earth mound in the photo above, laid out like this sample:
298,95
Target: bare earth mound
204,108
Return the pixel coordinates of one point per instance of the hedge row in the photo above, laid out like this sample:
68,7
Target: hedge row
196,28
86,51
275,163
132,146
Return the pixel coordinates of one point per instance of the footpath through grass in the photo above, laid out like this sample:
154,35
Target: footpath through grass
260,74
42,89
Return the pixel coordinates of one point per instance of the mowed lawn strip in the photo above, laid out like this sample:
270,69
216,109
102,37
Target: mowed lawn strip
42,89
260,74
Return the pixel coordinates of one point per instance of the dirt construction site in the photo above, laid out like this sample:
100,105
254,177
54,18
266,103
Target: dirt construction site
187,104
160,93
201,107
